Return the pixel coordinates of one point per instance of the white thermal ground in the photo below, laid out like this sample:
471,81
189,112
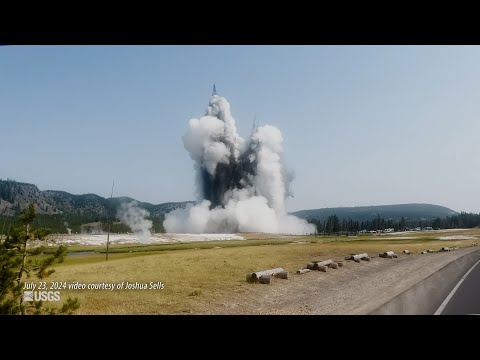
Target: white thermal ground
87,239
457,237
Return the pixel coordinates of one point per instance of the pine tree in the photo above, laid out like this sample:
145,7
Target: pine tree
14,266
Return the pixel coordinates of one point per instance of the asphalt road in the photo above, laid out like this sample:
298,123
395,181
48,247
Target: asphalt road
465,297
448,291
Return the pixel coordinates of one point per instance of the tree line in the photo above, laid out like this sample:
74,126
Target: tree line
462,221
59,224
333,224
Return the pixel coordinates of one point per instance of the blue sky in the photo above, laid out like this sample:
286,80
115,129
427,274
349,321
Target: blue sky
363,125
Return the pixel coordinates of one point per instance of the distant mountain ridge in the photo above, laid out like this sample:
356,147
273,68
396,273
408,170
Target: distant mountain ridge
394,212
15,196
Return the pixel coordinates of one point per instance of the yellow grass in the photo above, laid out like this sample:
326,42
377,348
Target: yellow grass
195,277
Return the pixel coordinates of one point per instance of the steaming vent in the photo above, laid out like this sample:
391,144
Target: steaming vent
241,185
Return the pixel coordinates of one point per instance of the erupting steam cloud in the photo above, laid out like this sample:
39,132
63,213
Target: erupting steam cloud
242,183
135,217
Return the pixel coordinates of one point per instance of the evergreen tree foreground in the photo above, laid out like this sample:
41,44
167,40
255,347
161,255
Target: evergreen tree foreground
15,267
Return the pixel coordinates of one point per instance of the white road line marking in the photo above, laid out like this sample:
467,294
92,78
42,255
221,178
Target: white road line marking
445,302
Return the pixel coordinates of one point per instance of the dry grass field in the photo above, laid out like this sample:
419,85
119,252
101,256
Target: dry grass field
197,275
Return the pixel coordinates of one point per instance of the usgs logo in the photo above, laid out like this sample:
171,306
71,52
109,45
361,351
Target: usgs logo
41,295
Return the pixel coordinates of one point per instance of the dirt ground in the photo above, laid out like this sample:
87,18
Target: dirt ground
355,288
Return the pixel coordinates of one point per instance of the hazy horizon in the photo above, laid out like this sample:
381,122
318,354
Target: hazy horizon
293,210
362,125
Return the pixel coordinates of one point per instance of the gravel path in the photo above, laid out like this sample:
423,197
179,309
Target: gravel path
355,288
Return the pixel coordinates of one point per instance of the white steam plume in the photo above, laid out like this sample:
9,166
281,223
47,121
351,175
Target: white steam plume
242,184
135,217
